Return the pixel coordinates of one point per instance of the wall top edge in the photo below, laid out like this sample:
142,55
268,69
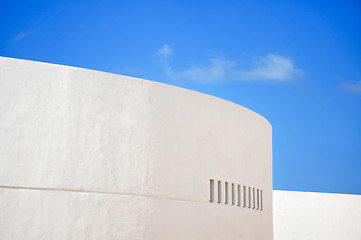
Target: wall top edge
60,66
315,193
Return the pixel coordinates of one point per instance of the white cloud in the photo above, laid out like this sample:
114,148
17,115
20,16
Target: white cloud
216,71
269,68
351,87
164,52
21,35
272,68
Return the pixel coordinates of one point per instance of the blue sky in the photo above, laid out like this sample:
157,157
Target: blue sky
298,63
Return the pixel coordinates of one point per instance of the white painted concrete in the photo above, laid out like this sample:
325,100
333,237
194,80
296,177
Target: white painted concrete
92,155
321,216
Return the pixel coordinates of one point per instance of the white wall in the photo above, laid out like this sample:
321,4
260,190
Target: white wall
319,216
87,155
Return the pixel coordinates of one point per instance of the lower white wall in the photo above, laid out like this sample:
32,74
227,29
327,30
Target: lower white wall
306,215
34,214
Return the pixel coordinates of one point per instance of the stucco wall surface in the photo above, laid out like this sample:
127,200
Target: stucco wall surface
86,155
321,216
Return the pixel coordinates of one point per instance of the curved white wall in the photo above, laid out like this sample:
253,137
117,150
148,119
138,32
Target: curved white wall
92,155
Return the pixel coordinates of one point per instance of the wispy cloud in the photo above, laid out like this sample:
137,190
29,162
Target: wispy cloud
218,70
269,68
164,53
351,87
21,35
272,68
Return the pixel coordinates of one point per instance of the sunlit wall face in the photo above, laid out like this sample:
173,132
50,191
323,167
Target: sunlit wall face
91,155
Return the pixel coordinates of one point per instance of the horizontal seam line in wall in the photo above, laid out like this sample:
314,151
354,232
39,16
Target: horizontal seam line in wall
101,192
113,193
